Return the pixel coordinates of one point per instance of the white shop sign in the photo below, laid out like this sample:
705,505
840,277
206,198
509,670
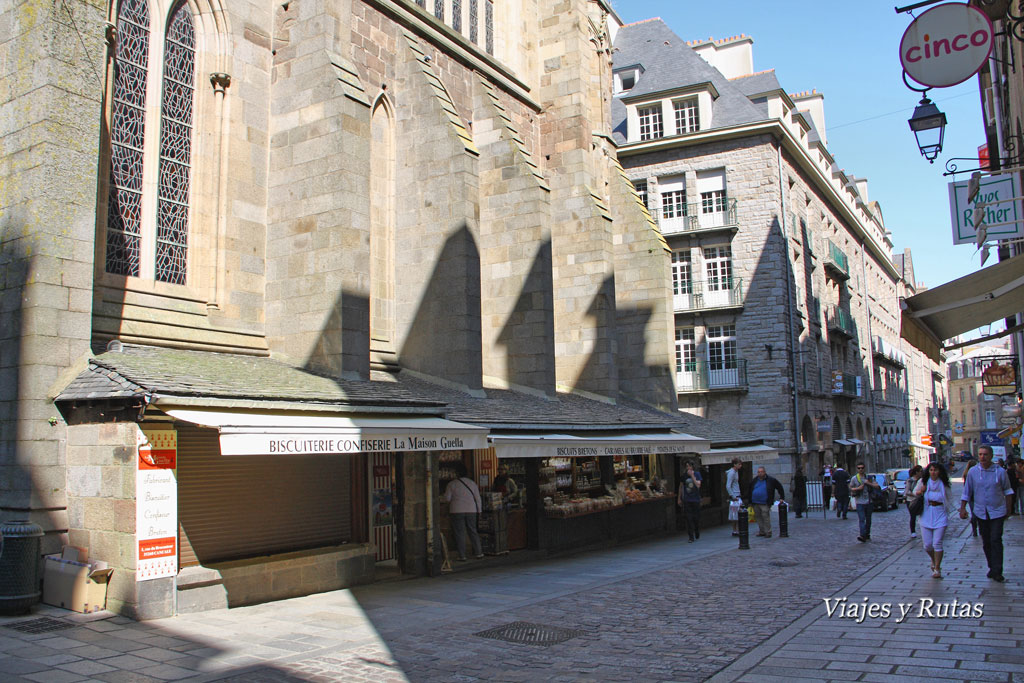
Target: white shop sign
156,504
310,443
946,45
1001,214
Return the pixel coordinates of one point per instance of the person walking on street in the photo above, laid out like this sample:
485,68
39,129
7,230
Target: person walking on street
938,504
732,490
987,489
910,495
826,485
1020,486
761,493
974,520
1011,475
464,505
689,500
841,490
799,490
860,488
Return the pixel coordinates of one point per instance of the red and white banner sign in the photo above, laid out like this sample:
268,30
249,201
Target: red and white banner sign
156,504
946,45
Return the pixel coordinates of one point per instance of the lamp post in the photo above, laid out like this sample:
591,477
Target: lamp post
929,126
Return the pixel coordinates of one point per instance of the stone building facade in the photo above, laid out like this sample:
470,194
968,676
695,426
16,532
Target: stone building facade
786,294
221,207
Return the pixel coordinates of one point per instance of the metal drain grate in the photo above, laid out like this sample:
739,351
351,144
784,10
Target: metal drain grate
784,563
525,633
41,625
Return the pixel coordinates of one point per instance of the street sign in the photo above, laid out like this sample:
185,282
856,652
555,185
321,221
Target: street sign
1009,431
990,437
1008,420
943,440
958,428
926,440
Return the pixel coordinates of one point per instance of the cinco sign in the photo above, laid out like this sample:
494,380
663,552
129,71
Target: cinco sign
156,504
946,45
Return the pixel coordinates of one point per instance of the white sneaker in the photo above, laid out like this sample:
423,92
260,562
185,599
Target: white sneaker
913,535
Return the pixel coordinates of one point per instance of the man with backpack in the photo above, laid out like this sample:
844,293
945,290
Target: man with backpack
861,487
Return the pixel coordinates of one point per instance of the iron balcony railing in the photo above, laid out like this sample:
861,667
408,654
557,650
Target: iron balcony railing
701,295
841,321
703,375
836,260
844,384
694,218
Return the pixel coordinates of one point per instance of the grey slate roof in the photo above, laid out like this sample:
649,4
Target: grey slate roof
669,63
165,372
757,83
513,410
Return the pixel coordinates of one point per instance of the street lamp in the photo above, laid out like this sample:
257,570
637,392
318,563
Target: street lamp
929,126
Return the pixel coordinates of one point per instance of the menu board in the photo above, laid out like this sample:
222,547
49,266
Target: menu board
156,505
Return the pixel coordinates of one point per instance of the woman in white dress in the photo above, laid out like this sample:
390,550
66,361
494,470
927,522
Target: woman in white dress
938,501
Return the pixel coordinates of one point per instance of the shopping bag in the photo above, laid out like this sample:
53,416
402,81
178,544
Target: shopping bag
750,514
734,510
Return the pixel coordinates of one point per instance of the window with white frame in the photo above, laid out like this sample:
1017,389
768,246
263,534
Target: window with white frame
974,417
718,268
641,189
711,188
650,122
150,153
673,196
682,275
989,397
686,115
686,350
990,418
625,79
721,347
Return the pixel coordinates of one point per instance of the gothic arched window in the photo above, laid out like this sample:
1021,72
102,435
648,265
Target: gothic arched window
150,174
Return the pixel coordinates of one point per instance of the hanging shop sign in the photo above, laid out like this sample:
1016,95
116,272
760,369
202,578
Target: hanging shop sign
999,212
156,504
946,45
999,380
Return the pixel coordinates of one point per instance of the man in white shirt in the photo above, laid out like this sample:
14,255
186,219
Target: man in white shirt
463,498
987,489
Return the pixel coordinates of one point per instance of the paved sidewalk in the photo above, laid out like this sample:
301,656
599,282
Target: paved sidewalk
929,644
658,610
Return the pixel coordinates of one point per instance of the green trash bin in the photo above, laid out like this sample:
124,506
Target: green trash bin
19,566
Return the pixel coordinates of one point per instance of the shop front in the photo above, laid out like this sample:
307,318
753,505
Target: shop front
714,467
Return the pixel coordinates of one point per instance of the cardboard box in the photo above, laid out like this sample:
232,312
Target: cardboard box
78,586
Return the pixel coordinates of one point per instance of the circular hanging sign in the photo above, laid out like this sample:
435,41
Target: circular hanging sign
946,45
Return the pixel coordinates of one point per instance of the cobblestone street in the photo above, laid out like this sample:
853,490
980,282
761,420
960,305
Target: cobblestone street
659,610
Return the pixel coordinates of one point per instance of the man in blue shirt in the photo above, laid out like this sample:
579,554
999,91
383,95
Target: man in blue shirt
761,494
987,489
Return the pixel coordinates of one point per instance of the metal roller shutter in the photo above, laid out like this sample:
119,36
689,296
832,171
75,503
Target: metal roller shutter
232,507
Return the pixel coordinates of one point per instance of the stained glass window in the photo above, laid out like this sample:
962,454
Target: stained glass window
175,148
127,134
457,15
472,21
439,9
489,26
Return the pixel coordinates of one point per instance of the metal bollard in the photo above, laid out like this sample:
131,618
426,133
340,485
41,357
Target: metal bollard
743,526
783,519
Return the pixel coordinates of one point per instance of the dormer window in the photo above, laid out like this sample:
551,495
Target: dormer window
687,118
625,79
650,122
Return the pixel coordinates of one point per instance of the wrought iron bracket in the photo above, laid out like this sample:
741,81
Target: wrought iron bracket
1014,145
1014,16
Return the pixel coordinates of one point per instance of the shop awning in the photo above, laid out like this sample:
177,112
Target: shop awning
721,456
843,442
930,449
856,442
269,433
963,305
570,445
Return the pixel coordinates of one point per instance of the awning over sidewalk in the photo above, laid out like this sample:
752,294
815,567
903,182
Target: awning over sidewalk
265,432
930,449
962,305
508,445
721,456
843,442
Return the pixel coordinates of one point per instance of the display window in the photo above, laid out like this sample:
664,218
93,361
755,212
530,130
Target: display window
575,486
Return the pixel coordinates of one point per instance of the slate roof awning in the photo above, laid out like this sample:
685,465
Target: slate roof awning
843,442
753,453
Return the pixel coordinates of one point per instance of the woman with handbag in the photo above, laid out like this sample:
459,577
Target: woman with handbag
937,493
915,504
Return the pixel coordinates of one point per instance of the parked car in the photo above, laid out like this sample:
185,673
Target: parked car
899,480
888,500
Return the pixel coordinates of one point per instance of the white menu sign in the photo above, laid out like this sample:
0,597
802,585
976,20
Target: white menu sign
156,504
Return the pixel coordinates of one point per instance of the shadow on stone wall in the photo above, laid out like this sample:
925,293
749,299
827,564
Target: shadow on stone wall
528,335
444,338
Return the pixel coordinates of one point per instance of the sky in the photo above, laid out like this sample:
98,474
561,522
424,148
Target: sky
849,51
